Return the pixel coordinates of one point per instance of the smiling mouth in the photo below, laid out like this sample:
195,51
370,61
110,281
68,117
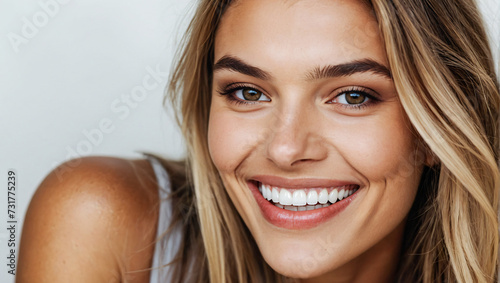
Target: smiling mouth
305,199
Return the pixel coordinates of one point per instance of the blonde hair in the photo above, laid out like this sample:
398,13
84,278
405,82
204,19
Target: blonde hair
443,70
444,74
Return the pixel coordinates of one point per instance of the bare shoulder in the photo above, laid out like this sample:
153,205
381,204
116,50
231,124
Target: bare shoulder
95,222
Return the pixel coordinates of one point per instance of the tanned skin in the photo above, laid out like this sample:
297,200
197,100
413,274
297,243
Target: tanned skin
96,222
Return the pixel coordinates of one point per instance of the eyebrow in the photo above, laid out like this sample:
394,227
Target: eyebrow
331,71
237,65
350,68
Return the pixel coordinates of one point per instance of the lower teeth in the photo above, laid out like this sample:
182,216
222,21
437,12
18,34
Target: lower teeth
307,207
302,208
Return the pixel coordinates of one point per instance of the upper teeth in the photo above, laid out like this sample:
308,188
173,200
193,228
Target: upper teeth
303,197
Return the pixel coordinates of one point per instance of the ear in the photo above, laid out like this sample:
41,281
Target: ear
431,158
427,156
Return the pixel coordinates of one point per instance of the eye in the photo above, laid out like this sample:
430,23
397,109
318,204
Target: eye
250,94
243,94
355,98
352,98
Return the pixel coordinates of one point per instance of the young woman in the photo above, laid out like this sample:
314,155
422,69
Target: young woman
328,141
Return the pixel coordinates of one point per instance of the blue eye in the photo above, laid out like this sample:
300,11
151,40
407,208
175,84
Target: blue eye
250,94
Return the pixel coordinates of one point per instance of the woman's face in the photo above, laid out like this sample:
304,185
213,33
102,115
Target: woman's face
305,110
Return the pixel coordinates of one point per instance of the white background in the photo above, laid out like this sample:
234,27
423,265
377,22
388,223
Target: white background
68,66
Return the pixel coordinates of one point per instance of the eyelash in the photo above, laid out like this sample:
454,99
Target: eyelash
229,93
230,89
356,89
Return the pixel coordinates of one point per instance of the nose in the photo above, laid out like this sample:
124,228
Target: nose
295,138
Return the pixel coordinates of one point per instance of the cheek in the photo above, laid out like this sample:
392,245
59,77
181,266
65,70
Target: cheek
219,140
230,139
382,150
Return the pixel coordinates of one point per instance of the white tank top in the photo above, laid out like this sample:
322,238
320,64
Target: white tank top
165,248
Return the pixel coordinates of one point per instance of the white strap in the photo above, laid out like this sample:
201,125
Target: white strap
165,248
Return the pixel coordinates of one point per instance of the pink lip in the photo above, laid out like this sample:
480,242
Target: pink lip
297,220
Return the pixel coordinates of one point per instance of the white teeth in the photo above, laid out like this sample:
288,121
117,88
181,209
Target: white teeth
323,196
332,197
285,197
341,194
268,193
276,195
299,200
299,197
312,197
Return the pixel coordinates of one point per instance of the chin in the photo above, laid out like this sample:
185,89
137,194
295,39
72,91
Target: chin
303,266
303,254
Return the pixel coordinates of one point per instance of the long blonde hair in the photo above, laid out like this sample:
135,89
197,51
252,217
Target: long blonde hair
444,73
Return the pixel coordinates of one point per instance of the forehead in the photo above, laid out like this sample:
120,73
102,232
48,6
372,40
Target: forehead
302,32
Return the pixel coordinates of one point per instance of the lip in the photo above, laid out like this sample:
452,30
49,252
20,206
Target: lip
298,220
